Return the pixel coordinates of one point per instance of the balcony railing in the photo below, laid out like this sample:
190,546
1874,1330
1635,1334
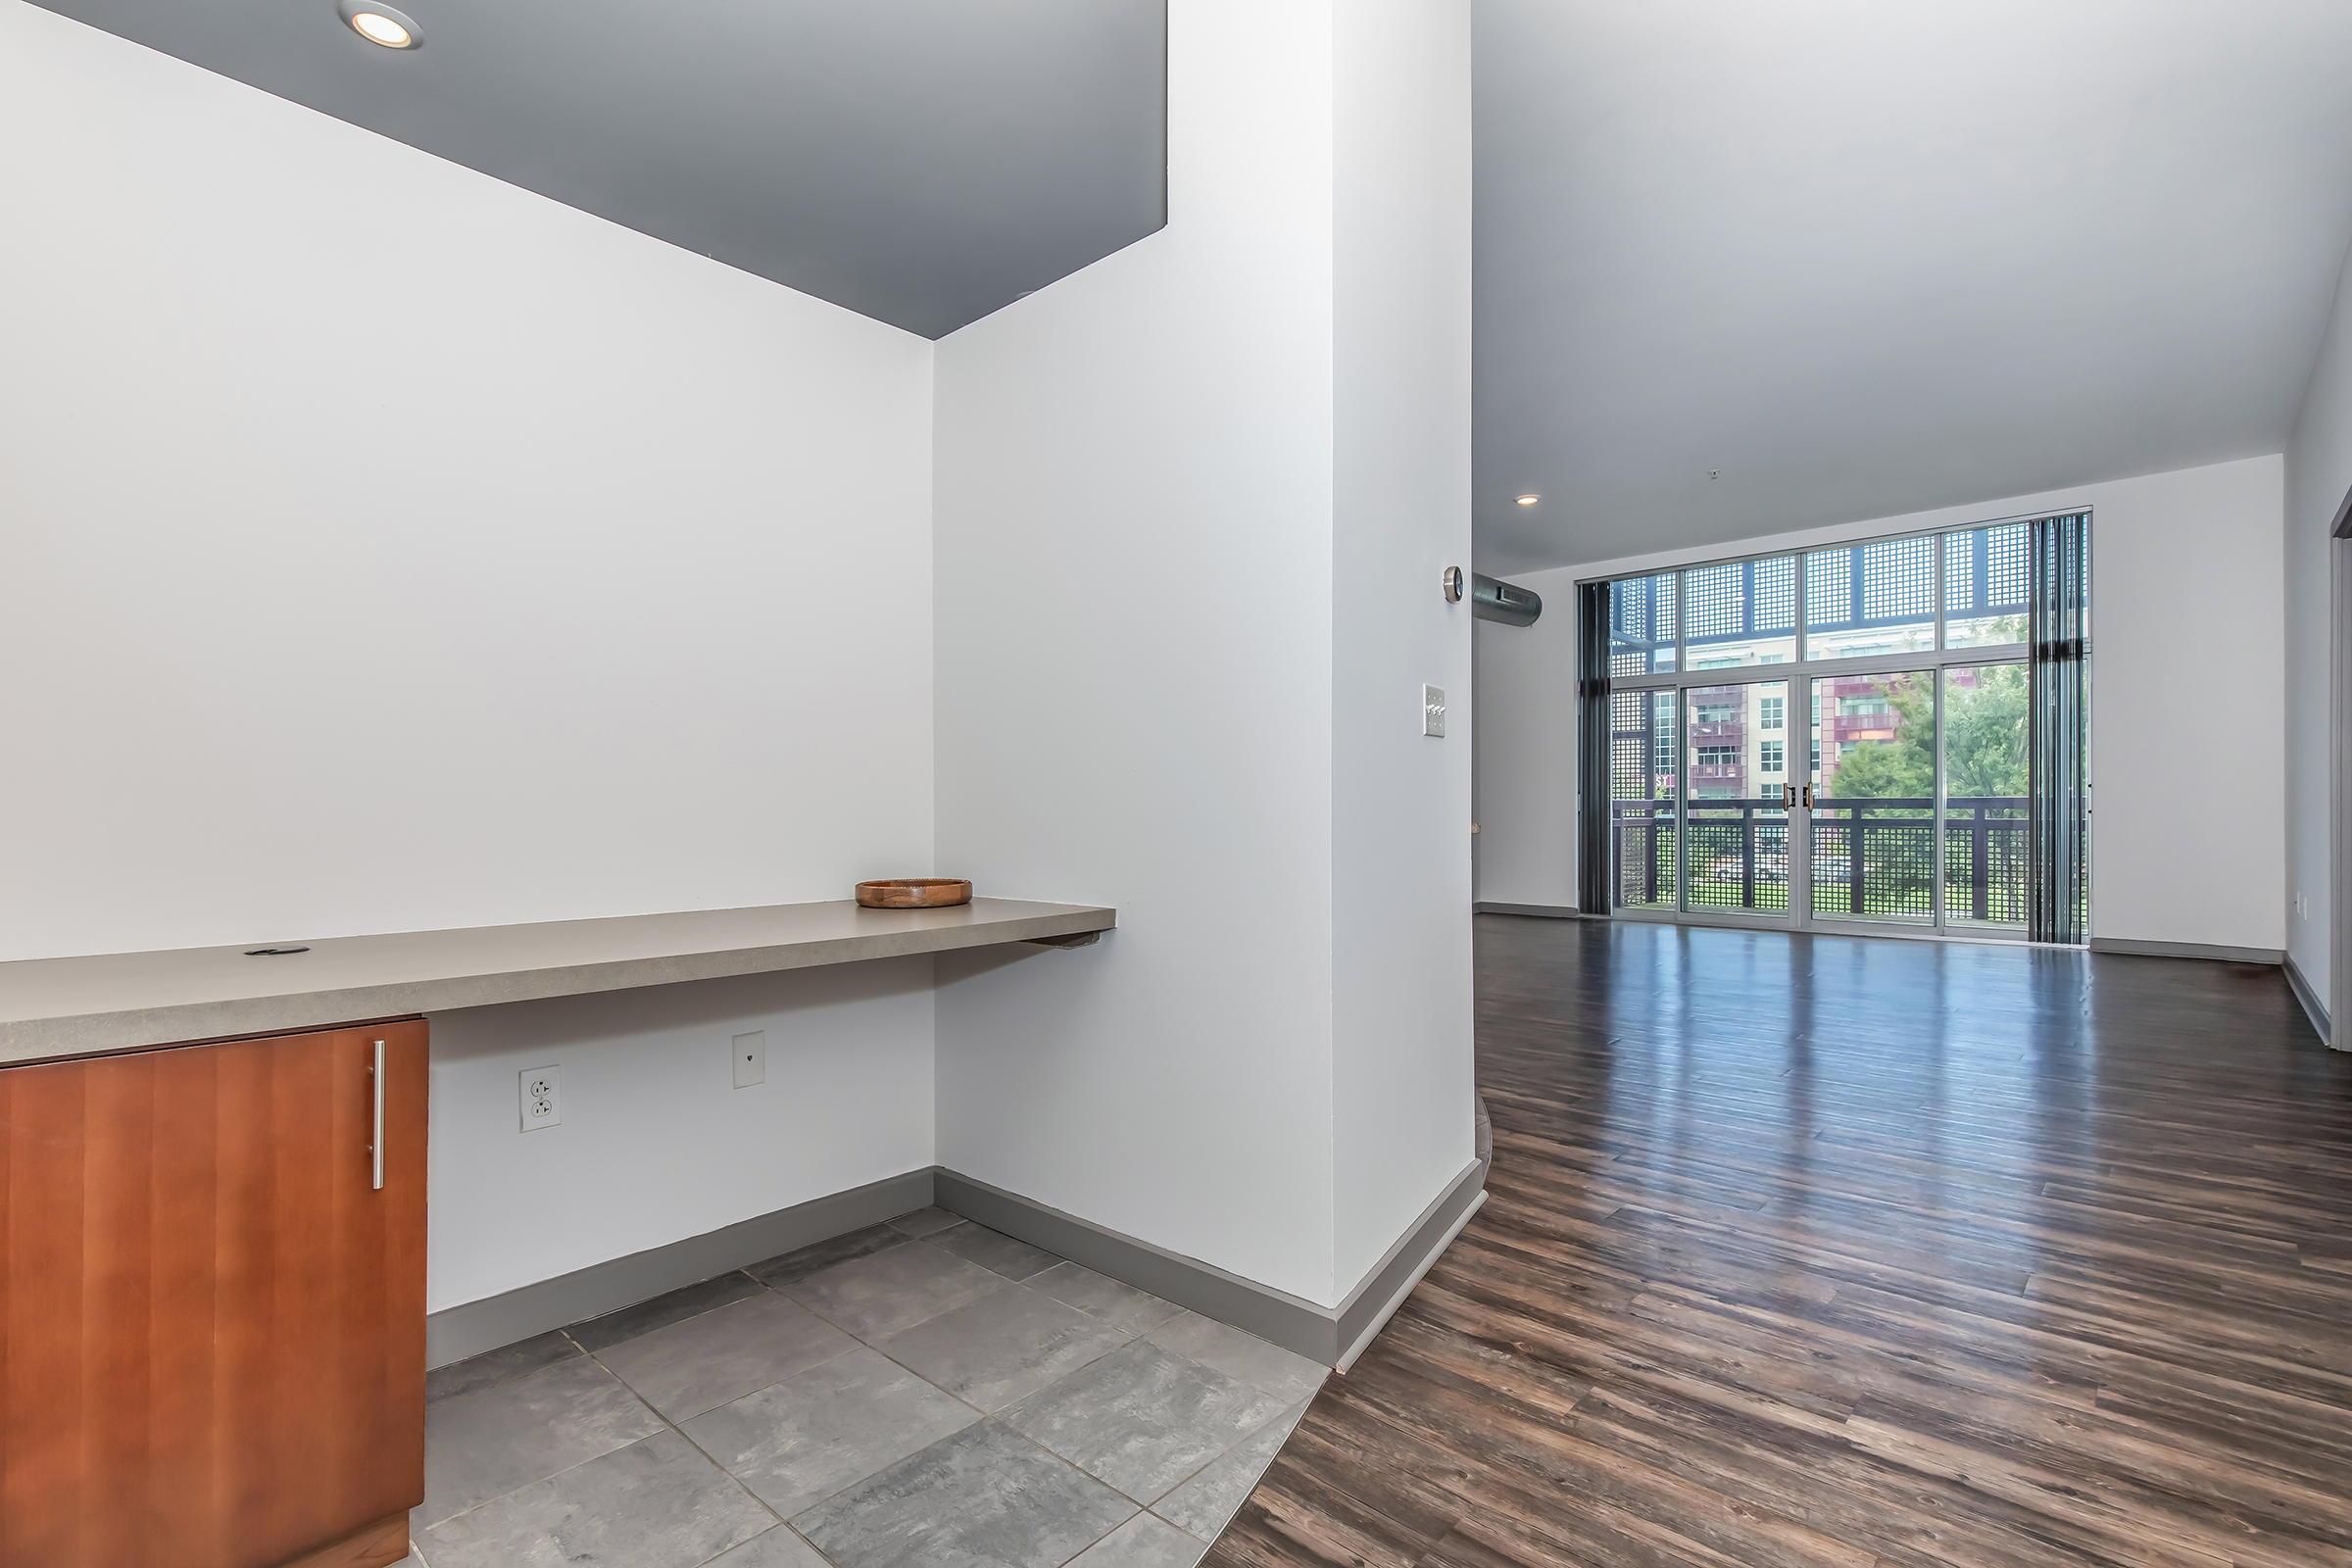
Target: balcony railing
1872,857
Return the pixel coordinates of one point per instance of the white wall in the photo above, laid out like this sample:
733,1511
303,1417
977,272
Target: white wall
1527,751
1134,703
383,547
386,548
1402,981
2182,719
2319,471
1156,520
657,1142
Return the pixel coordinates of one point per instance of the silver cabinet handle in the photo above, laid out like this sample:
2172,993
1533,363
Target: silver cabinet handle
377,1145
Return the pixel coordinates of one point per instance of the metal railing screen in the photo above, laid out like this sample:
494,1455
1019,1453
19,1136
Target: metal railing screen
1738,854
1872,859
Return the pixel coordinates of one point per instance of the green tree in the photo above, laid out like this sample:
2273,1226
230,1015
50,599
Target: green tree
1903,766
1984,733
1983,744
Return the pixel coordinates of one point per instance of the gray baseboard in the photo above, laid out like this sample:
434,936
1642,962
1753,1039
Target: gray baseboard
1319,1333
1325,1334
1290,1321
2187,950
1395,1298
469,1329
2313,1006
1383,1291
1419,1243
1550,911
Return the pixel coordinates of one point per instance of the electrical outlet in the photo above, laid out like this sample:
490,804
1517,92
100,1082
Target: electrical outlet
751,1058
542,1098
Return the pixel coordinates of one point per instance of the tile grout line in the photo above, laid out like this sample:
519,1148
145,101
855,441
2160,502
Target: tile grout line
687,1440
1129,1338
1153,1507
856,1339
1095,1479
860,1340
984,1415
570,1468
1132,1338
566,1332
629,1389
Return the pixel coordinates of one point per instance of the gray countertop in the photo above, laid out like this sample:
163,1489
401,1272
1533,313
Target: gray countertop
54,1007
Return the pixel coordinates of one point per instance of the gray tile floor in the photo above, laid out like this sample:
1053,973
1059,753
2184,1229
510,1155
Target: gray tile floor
923,1393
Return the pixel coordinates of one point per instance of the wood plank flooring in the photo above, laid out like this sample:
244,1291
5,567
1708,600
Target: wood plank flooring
1861,1254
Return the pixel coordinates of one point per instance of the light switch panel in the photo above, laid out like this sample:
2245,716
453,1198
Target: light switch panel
751,1058
1432,710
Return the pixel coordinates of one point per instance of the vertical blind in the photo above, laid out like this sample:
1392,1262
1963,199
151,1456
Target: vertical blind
1592,747
2058,729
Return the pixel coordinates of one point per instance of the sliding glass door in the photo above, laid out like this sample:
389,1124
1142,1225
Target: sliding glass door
1872,811
1987,806
1831,739
1736,832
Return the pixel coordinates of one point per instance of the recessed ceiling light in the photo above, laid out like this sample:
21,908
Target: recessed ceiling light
381,25
1529,501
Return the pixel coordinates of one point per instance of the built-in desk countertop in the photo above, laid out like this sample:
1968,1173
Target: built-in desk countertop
86,1006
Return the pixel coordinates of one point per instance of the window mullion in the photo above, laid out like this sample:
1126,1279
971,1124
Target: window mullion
1682,622
1942,550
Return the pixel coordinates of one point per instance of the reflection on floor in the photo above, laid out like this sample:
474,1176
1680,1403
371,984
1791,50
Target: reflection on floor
1833,1253
927,1392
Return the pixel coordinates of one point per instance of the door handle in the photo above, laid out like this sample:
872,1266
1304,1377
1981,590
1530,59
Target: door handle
1808,797
1788,796
375,1145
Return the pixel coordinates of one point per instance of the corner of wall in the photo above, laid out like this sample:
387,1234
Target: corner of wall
2318,472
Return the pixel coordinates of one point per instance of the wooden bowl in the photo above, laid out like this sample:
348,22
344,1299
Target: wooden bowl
915,893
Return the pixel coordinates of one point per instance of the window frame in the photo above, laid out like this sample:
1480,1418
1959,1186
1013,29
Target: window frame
1802,667
1798,669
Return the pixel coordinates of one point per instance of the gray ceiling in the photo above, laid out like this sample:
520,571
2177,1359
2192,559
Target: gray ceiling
923,162
1857,259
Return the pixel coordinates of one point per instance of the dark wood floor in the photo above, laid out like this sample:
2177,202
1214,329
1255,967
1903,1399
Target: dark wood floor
1859,1252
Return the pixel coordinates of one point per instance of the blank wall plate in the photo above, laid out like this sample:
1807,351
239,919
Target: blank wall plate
751,1058
1432,710
542,1089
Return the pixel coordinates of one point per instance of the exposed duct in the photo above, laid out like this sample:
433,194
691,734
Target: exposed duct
1505,602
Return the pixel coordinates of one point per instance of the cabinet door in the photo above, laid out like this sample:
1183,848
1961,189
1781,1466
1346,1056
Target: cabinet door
212,1320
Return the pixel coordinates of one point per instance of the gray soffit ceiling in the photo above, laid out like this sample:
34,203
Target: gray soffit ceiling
921,161
1859,259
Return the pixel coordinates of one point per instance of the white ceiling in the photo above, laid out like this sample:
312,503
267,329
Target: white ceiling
1868,257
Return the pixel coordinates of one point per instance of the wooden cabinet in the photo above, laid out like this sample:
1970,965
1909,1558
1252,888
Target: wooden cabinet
212,1319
